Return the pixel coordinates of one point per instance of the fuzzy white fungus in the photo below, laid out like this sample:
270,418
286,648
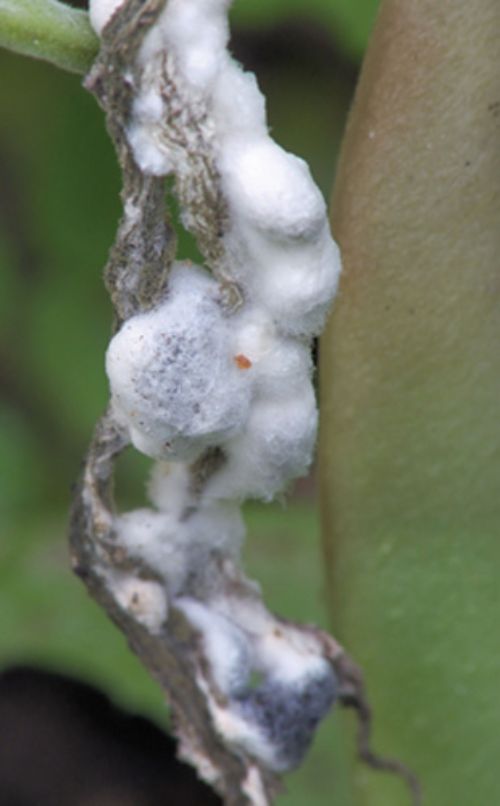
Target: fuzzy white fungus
191,375
273,716
173,377
275,447
100,12
183,549
145,599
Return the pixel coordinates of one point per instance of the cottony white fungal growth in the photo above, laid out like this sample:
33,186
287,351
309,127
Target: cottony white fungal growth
275,719
101,12
146,599
197,374
174,378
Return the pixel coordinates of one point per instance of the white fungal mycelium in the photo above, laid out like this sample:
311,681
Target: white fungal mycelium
194,375
144,598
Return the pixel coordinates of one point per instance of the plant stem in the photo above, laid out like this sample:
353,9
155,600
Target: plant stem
411,383
49,30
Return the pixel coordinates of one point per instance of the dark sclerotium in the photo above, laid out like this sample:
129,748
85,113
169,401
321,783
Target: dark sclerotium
287,715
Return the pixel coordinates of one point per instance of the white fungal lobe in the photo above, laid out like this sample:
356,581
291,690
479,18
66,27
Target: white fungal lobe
277,685
191,375
101,11
146,600
183,550
174,381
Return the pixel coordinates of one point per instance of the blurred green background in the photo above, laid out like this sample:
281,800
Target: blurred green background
59,204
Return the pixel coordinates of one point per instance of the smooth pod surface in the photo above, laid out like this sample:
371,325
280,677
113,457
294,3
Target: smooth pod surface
410,438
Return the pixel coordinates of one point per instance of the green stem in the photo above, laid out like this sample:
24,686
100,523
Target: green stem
411,388
49,30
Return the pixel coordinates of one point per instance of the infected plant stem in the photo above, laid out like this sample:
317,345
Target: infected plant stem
172,657
137,279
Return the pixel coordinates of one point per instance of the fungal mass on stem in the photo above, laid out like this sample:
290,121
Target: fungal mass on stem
218,373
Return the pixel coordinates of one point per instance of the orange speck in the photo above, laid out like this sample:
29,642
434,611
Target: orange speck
242,362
